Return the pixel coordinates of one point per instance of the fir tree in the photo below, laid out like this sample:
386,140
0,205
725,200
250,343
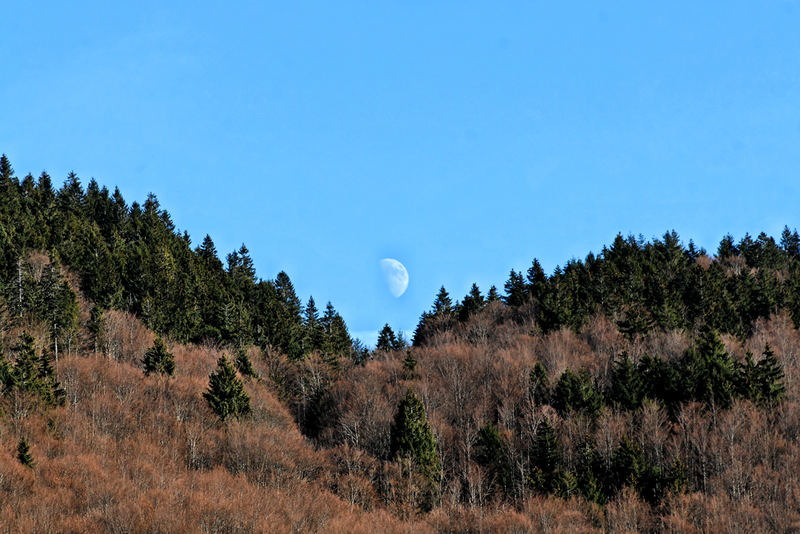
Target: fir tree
578,394
443,305
387,341
158,359
626,385
516,289
546,455
24,453
492,295
769,386
412,437
226,395
243,363
491,452
471,304
539,384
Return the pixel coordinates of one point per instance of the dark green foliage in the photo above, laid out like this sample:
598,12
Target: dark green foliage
412,438
24,453
491,452
243,363
626,384
410,364
646,285
709,371
158,359
388,341
577,394
768,386
31,374
131,257
539,384
472,303
546,456
226,395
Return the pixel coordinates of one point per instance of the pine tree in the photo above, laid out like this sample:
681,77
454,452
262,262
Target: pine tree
492,295
546,455
243,363
769,378
158,359
578,394
516,289
626,384
387,341
226,395
412,437
710,372
24,453
443,305
539,384
491,452
471,304
410,364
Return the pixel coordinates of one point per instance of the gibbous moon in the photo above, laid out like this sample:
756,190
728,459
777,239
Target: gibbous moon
395,276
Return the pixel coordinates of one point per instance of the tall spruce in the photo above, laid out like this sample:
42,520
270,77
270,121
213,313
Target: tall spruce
226,395
412,438
158,359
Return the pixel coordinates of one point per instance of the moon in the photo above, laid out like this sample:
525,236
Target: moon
395,276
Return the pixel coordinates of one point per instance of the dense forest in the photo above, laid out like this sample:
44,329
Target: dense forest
148,386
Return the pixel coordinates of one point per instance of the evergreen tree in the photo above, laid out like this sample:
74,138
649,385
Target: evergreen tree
471,304
546,455
387,341
491,452
412,437
226,395
158,359
577,394
769,384
516,289
443,305
243,363
313,337
410,364
492,295
24,453
539,384
710,372
626,385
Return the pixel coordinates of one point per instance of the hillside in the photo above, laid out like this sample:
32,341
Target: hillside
650,387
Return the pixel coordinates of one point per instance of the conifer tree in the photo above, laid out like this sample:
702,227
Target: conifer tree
226,395
491,452
158,359
546,455
471,304
410,364
492,295
577,393
412,437
443,305
539,384
243,363
626,384
769,378
710,372
24,453
516,289
387,341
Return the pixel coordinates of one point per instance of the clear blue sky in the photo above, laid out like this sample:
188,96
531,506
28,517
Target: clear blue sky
461,138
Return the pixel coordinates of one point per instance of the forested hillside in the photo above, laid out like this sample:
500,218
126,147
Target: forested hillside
651,387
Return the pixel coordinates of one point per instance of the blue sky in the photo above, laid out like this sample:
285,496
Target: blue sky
462,138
